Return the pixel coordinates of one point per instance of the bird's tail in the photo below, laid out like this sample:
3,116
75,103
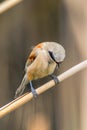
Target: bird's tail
22,86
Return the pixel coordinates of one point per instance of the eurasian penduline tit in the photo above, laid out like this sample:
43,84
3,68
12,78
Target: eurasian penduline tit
41,62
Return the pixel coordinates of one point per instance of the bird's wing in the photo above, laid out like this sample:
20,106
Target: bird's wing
33,55
30,59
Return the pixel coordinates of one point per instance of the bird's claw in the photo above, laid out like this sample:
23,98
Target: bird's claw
55,79
33,90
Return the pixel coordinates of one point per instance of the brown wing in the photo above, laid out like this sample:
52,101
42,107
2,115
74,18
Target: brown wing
30,59
33,55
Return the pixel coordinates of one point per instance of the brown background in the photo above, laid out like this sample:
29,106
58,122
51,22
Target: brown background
28,23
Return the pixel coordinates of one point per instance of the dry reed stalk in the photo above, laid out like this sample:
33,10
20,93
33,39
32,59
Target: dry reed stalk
7,4
28,96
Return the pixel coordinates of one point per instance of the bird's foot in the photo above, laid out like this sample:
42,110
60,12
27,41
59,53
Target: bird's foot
33,90
55,79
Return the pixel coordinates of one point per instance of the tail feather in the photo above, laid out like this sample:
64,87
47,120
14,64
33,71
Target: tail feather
22,86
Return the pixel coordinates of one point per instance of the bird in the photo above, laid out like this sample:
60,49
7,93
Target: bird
41,62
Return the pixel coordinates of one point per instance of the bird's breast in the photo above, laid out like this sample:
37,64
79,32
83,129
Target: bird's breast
41,68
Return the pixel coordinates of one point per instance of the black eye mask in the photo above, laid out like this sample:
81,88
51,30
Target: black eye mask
52,56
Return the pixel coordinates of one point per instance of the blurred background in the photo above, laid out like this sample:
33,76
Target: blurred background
65,21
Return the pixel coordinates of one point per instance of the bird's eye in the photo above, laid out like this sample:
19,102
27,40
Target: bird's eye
52,56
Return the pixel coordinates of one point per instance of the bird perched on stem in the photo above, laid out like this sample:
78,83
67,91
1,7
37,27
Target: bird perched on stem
41,62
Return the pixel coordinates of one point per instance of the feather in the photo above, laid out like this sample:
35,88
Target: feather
22,86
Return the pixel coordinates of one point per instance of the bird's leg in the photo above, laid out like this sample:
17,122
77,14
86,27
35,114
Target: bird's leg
33,90
55,79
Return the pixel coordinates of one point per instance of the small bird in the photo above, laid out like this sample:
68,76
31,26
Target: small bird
41,62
